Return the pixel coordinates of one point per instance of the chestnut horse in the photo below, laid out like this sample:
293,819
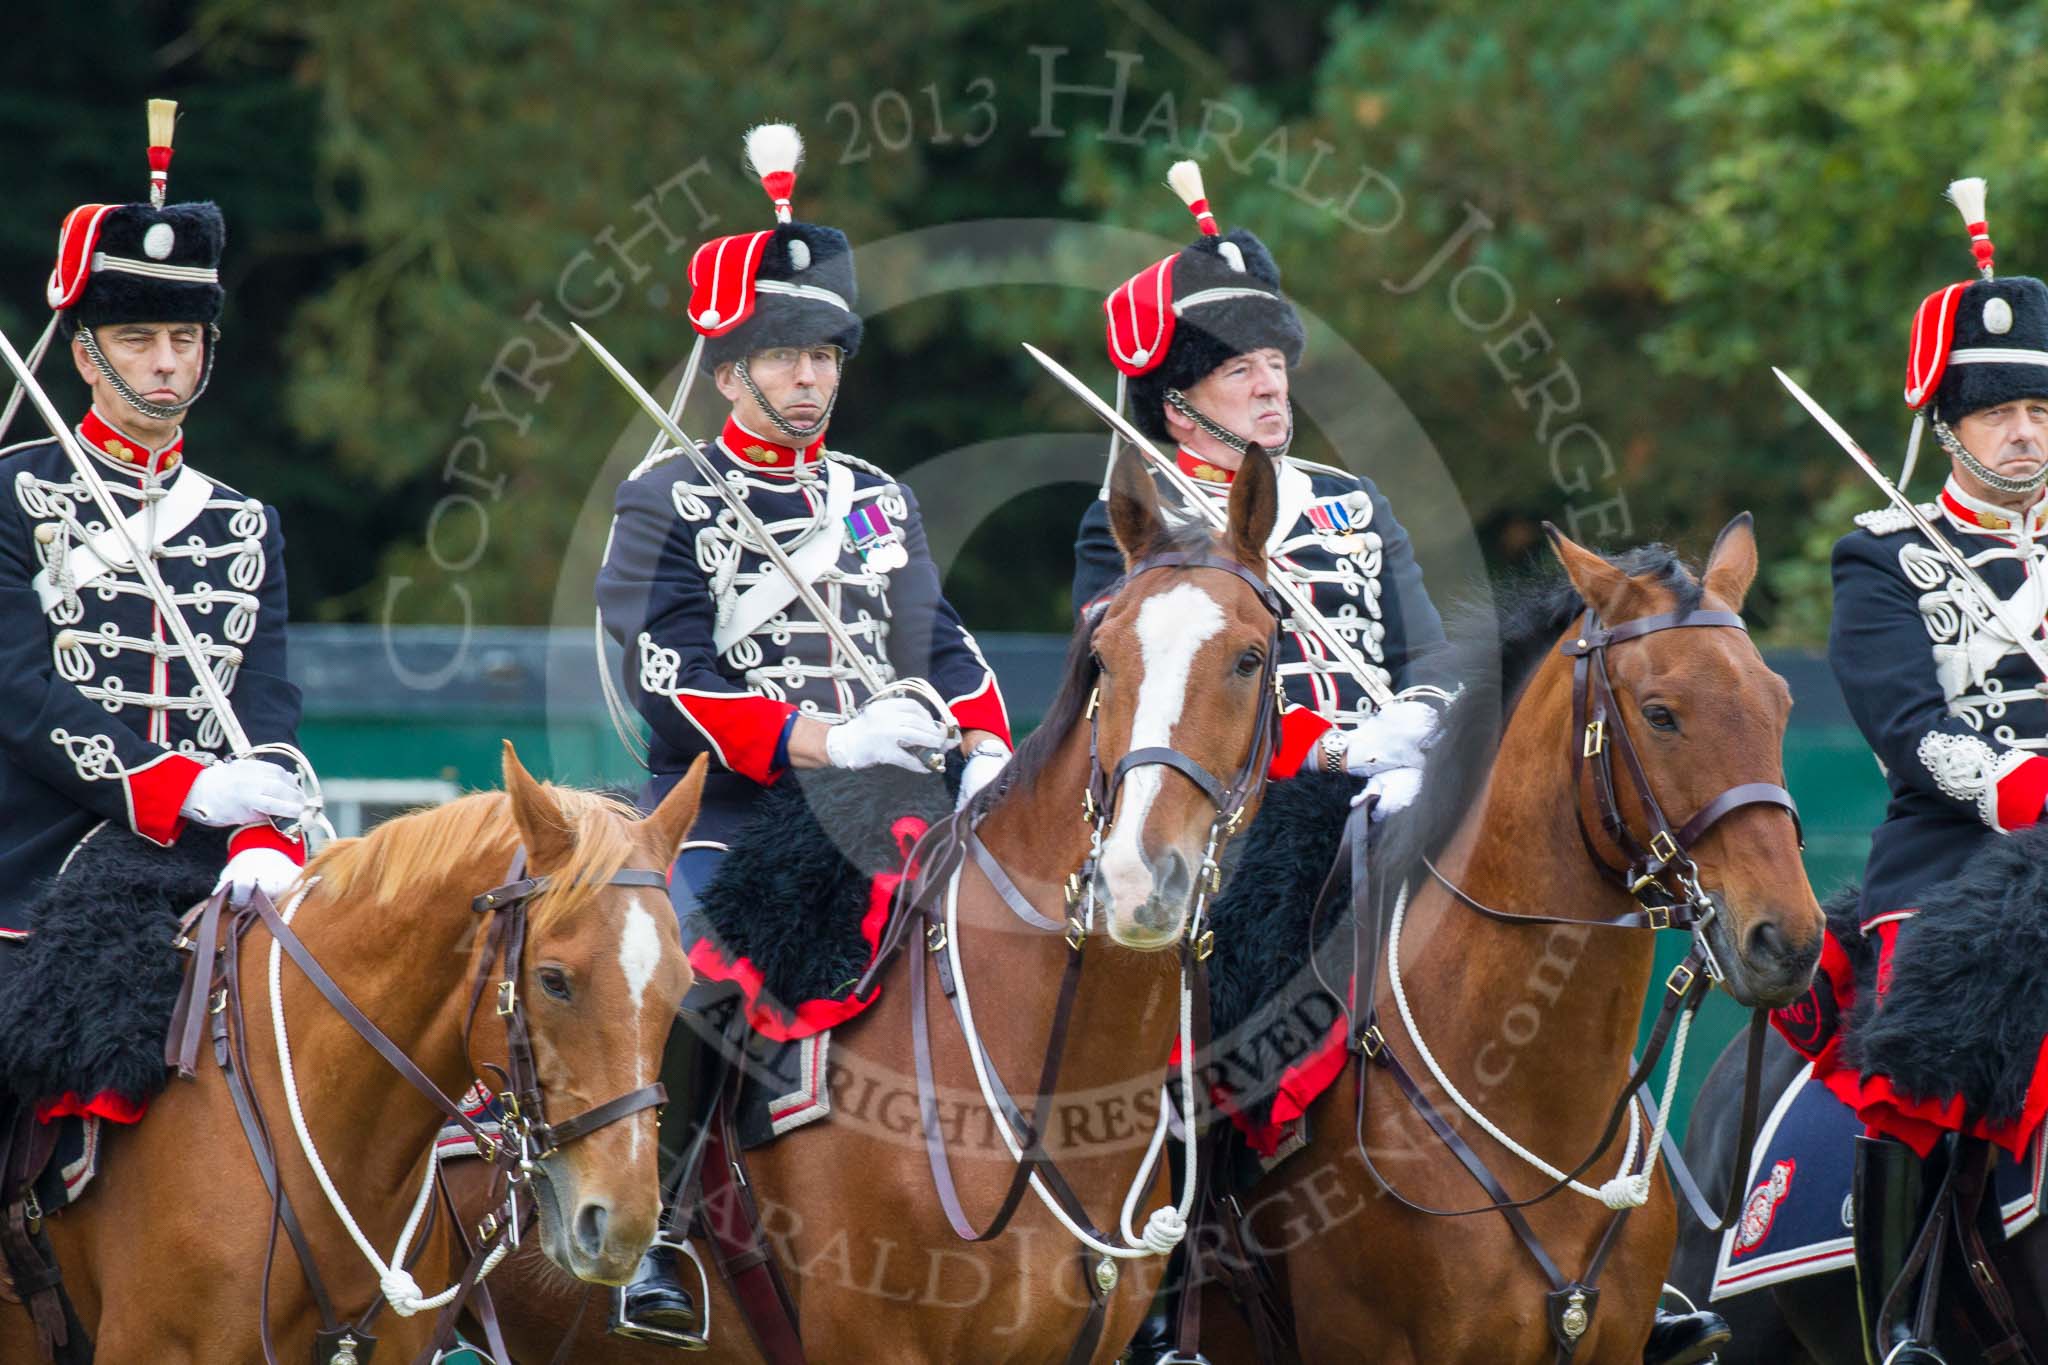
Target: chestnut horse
1181,659
163,1257
1534,1022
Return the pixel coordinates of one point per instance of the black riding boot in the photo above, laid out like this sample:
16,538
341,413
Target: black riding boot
1685,1338
655,1306
1888,1189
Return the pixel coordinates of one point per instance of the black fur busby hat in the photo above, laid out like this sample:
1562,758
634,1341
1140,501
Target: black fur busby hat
790,285
148,262
1980,342
1173,323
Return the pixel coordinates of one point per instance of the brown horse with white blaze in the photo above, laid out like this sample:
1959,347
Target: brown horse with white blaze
1161,728
164,1257
1533,1023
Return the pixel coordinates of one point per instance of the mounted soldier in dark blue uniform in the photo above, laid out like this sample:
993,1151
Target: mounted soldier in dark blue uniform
721,655
106,726
1939,668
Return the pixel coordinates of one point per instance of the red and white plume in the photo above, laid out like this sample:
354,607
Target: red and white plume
1968,197
774,151
1185,178
163,122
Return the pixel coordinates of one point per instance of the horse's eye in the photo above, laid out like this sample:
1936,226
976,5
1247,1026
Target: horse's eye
1249,663
555,982
1660,717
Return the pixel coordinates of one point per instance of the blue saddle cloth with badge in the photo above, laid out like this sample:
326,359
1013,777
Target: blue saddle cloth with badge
1797,1218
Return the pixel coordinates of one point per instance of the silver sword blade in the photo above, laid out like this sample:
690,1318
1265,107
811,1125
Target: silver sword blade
1298,602
2033,648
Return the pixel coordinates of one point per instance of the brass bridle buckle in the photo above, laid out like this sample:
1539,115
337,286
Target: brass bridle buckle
508,998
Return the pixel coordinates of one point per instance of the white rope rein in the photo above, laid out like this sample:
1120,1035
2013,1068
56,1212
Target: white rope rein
1167,1224
1624,1191
400,1290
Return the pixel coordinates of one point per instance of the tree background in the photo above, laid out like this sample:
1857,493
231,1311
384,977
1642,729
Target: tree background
1681,195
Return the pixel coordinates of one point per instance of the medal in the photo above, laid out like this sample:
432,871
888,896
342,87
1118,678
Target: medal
879,544
1336,526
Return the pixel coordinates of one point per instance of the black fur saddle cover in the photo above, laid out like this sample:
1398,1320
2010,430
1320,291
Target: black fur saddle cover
91,995
1965,1011
784,914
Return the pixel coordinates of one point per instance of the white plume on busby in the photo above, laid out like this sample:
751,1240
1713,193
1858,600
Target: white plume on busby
775,153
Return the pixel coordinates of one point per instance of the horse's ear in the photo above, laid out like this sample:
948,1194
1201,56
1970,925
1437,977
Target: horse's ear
538,816
1133,506
1731,568
669,823
1604,587
1254,503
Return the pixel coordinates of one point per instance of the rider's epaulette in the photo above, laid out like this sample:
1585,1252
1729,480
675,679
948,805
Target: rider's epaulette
1886,521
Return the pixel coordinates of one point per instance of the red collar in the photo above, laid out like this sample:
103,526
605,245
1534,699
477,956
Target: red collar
759,455
1199,469
103,438
1983,516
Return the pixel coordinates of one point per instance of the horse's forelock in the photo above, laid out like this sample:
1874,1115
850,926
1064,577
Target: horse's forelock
469,842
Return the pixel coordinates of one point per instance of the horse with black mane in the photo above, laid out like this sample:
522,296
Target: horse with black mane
1499,973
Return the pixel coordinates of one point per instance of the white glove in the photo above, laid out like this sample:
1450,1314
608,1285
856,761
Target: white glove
1396,788
885,733
254,867
983,764
1396,736
243,791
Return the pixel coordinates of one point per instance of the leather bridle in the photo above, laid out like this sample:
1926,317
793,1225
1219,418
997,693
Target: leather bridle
1229,799
1660,874
211,999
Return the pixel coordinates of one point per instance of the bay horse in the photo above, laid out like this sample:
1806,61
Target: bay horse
1814,1320
164,1257
1176,672
1535,1021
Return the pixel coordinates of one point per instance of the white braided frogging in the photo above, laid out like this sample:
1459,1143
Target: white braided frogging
1624,1191
1168,1223
400,1290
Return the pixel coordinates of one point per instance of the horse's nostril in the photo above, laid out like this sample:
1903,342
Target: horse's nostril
591,1221
1767,941
1175,881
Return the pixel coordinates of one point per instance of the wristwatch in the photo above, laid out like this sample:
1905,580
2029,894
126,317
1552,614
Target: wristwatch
1333,755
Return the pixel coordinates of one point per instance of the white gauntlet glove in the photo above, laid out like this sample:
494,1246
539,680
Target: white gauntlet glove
257,867
1393,737
1396,788
987,760
886,732
243,791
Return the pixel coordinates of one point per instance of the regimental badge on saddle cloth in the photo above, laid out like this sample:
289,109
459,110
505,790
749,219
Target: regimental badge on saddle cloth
1340,522
880,544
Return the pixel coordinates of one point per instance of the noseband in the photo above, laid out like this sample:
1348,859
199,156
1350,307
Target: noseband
1660,874
1229,799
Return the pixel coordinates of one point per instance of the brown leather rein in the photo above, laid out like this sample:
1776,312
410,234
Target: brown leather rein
211,1000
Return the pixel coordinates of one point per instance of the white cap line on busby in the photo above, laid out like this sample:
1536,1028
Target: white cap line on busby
1974,344
1176,320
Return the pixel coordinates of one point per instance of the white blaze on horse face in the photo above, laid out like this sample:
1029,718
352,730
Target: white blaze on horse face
639,956
639,951
1172,628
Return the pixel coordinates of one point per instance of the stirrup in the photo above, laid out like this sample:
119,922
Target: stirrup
700,1340
1913,1353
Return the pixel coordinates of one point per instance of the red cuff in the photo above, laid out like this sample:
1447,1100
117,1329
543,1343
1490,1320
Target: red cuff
266,836
742,729
982,709
156,791
110,1105
2021,793
1300,728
